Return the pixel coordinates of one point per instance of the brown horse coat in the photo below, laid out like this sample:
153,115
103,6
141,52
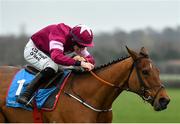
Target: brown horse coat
93,91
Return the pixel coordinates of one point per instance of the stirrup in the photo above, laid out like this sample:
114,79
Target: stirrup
29,104
25,102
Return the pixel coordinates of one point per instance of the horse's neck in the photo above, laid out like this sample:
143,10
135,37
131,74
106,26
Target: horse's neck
99,94
116,74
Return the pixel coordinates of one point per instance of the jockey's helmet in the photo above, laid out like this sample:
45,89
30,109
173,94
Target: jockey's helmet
82,35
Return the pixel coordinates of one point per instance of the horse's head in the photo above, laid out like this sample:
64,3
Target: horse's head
145,81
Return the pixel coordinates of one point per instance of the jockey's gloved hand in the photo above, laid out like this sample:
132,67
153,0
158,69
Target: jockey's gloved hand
79,58
87,65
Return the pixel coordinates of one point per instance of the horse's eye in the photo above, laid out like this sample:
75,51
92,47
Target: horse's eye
145,72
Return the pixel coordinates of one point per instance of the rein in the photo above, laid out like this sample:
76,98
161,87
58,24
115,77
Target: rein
141,92
111,84
143,87
103,81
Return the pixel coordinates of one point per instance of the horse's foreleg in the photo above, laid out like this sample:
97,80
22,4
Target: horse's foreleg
2,115
105,117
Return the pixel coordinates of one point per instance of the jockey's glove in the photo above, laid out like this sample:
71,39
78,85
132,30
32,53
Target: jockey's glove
79,58
87,65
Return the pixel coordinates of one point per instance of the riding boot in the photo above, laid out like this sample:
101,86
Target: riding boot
34,85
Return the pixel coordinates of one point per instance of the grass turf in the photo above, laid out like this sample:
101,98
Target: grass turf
129,107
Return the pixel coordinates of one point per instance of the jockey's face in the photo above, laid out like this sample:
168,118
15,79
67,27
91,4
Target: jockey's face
78,49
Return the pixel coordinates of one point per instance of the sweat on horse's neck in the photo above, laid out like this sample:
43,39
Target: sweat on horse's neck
99,94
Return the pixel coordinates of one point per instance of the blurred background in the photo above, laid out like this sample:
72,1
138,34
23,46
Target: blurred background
154,24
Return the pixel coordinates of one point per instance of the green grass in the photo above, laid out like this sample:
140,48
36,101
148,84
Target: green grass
129,107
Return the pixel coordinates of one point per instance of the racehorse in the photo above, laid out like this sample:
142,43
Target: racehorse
88,96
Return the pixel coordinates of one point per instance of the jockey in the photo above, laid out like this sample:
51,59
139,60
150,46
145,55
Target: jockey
48,48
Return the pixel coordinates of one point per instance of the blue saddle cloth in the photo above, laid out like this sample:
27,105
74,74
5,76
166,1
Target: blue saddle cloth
18,85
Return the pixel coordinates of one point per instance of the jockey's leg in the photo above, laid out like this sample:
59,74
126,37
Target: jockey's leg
42,62
41,77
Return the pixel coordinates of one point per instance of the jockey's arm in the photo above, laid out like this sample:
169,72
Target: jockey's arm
59,58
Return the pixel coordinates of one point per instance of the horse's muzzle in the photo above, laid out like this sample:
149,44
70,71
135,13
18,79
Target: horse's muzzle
161,104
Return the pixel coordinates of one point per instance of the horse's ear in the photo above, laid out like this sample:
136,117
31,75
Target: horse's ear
144,52
132,53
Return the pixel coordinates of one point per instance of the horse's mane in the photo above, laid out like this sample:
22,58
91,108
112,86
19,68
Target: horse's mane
104,65
111,62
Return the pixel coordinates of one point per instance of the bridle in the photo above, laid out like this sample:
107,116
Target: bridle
141,92
143,88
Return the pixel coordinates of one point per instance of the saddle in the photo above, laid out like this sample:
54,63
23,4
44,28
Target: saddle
31,69
47,95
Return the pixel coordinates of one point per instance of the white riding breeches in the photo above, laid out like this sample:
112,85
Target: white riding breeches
38,58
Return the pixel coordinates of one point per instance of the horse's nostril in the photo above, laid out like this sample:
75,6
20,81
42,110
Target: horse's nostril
164,102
